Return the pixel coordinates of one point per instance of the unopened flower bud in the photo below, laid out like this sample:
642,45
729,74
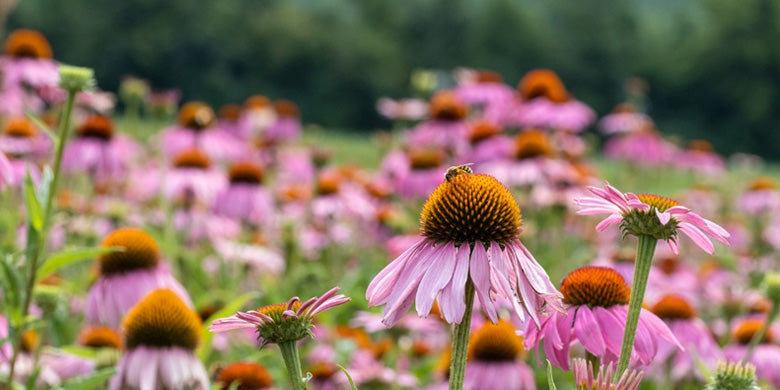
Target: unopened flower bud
75,78
733,376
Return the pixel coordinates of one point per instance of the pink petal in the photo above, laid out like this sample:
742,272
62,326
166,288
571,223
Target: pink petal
451,301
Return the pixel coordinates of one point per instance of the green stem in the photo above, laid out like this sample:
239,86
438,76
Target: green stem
460,341
292,361
644,260
64,127
756,339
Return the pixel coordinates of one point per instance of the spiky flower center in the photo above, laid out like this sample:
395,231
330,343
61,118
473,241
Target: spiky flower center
595,286
322,370
19,128
196,116
495,343
445,105
230,112
624,108
257,101
669,265
543,83
673,307
246,173
328,183
481,131
532,143
638,222
287,109
140,251
291,328
192,159
661,203
763,183
101,337
30,340
98,127
745,331
25,43
489,76
421,159
162,320
468,208
246,375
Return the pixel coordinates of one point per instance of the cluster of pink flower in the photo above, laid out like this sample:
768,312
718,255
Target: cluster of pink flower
237,188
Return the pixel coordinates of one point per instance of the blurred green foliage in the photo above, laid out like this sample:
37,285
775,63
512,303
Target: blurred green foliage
712,65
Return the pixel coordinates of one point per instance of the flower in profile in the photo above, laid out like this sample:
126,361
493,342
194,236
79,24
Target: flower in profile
470,226
22,139
762,197
586,379
29,72
692,333
766,355
196,129
100,337
245,376
282,322
245,198
624,118
193,179
287,126
543,83
494,359
127,276
596,300
650,215
98,151
161,334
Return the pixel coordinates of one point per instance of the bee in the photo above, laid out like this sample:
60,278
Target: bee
457,170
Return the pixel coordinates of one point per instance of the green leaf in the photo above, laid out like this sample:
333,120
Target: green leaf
550,381
12,288
61,259
349,377
231,308
34,210
90,381
85,352
43,126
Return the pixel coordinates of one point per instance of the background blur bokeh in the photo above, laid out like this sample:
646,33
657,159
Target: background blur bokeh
712,66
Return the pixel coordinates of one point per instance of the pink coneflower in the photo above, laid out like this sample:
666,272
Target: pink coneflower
282,322
245,376
484,89
7,176
470,226
98,151
700,157
495,359
596,301
415,172
161,334
624,118
287,125
529,161
402,109
486,143
28,70
193,179
446,128
245,198
664,218
766,355
692,333
127,276
585,377
761,197
195,129
22,139
644,148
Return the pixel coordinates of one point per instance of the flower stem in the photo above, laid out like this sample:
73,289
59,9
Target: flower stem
460,341
292,361
760,334
644,260
64,127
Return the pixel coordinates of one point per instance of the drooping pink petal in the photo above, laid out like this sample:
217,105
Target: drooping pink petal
435,279
451,300
588,331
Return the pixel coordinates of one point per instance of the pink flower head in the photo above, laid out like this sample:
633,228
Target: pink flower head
470,226
127,277
653,215
161,334
596,311
282,322
586,379
495,359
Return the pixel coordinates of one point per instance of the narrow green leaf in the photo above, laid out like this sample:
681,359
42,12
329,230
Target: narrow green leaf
231,308
45,185
550,381
13,282
44,127
61,259
89,382
349,377
34,210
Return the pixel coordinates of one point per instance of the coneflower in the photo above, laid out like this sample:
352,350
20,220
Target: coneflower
161,334
245,376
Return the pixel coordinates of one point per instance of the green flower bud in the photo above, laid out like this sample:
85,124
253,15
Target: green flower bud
733,376
771,287
75,78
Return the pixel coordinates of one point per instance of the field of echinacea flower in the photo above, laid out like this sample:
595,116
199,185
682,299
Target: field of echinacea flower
502,236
